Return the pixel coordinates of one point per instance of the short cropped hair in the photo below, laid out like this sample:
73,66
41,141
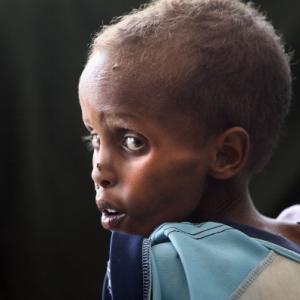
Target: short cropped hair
223,60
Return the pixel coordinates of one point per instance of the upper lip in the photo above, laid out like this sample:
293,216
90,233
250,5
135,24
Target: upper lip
103,203
103,206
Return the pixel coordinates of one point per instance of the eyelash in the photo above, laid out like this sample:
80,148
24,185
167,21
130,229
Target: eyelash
88,141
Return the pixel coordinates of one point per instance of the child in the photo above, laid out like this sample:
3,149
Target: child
184,101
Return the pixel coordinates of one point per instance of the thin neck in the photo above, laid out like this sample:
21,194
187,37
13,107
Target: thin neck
228,201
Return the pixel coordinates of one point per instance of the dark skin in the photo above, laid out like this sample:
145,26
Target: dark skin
151,165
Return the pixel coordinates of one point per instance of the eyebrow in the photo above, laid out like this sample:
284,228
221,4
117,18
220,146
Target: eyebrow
116,119
87,125
119,119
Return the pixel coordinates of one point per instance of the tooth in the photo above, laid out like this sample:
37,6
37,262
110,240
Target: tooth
111,211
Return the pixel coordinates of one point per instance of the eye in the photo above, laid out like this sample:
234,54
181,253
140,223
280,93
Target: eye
92,141
95,140
133,143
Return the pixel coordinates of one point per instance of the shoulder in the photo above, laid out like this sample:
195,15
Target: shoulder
216,261
201,261
216,239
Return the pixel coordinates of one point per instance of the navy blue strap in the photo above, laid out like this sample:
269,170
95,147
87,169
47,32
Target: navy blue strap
126,274
105,291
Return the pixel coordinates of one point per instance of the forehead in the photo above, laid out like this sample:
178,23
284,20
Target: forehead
110,81
113,86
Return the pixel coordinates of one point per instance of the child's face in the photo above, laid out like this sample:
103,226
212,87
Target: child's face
147,167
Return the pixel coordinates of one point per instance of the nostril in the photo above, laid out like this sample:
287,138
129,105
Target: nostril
105,183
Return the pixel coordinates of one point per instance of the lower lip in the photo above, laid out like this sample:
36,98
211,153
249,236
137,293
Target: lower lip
112,222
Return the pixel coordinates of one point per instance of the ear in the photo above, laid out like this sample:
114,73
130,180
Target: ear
231,153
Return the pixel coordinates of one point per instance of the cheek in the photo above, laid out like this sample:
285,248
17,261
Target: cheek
139,184
156,183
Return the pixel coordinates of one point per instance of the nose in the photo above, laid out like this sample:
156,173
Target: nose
99,178
102,173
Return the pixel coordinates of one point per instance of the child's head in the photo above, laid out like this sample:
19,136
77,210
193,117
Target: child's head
186,72
219,60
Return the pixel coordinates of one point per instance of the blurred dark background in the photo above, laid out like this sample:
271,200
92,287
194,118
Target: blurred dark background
52,246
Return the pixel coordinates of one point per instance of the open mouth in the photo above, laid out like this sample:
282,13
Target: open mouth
111,219
110,212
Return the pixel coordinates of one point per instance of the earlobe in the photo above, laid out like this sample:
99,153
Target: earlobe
231,153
